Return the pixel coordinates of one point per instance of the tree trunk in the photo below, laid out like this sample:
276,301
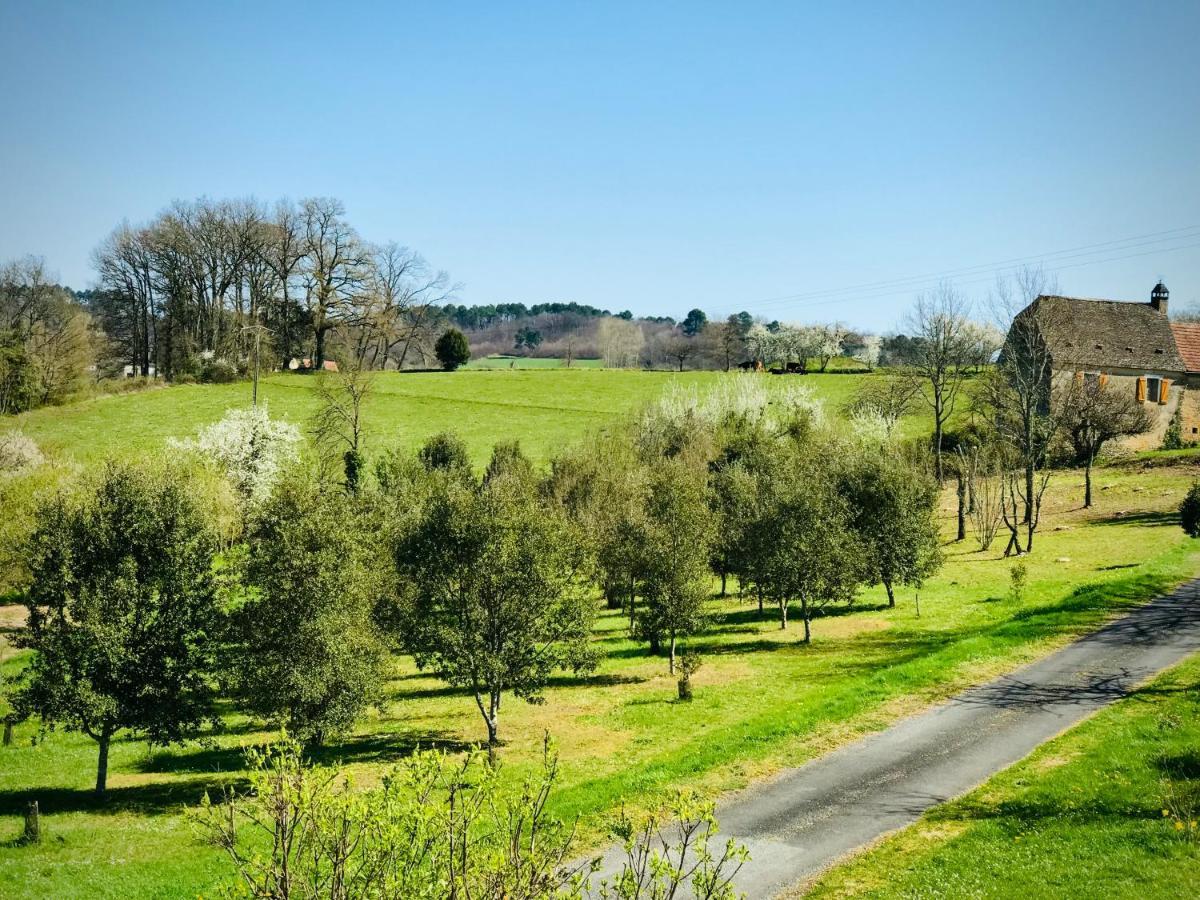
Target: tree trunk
783,614
1087,483
493,726
758,590
671,664
8,726
962,506
102,764
33,824
937,444
319,349
655,644
807,620
891,596
1029,472
723,578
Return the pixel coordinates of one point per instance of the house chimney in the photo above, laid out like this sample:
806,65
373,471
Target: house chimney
1158,298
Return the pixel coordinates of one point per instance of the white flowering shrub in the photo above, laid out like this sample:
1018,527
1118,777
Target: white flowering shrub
868,354
18,451
249,447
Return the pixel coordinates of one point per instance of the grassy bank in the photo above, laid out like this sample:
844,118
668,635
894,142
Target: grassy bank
545,409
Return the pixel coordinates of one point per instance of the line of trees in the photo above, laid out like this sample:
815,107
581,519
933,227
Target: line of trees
191,282
150,596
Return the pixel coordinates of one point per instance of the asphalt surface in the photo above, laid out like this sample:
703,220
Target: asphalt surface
805,819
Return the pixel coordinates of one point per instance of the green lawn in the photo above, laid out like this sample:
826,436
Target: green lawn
507,361
763,700
1082,817
546,409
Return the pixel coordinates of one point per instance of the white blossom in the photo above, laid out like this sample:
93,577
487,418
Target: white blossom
249,447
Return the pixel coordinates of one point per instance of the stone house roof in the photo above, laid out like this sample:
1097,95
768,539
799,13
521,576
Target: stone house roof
1187,340
1105,334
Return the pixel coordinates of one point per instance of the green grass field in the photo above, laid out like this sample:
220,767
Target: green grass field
1107,810
505,361
763,700
545,410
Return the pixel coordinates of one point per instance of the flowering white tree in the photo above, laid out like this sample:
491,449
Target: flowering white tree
249,447
18,451
868,354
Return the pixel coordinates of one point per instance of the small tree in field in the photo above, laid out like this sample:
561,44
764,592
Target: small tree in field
1095,414
122,611
491,599
814,557
452,349
675,542
307,653
894,515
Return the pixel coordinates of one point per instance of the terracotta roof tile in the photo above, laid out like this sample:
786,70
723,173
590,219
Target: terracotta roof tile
1187,339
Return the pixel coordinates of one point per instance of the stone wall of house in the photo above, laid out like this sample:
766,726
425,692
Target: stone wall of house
1161,413
1190,412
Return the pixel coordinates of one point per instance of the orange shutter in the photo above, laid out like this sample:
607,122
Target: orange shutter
1141,389
1078,378
1103,379
1162,390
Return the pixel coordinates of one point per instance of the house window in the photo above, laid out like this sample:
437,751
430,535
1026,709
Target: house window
1153,389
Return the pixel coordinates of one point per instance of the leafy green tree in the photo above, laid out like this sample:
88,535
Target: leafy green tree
122,611
307,651
694,322
1189,511
490,597
675,540
814,556
452,349
893,510
445,451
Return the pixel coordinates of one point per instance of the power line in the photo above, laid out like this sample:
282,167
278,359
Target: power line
897,284
890,291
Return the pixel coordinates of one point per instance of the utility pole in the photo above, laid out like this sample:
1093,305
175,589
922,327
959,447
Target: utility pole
258,329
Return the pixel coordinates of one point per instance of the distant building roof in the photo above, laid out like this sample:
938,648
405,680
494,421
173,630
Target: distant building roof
1107,334
1187,339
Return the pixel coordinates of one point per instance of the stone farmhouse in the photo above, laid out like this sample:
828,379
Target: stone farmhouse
1132,346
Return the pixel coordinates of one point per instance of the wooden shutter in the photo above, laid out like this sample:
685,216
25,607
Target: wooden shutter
1103,379
1163,385
1141,389
1078,378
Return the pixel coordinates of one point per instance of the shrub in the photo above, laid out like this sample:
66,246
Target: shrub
248,447
18,451
452,349
218,371
1018,577
1189,511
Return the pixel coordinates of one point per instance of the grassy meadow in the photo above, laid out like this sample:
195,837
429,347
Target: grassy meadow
546,409
763,700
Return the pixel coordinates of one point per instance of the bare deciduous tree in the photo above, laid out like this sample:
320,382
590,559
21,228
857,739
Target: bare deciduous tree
945,351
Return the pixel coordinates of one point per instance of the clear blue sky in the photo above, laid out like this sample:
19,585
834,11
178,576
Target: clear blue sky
652,156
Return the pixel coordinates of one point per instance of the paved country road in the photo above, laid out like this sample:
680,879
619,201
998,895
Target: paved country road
800,822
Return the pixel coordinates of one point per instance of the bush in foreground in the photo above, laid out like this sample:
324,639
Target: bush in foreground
440,827
1189,511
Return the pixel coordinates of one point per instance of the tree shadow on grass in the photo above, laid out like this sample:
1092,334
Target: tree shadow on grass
158,797
1141,517
1180,766
371,748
